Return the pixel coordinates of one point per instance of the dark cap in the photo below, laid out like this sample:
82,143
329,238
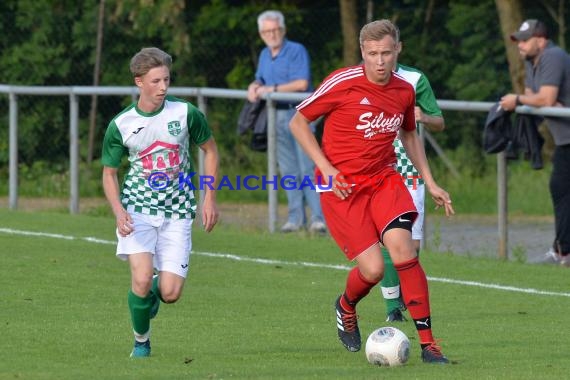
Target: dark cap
528,29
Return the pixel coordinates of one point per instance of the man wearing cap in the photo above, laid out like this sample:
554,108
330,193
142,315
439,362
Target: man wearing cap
547,84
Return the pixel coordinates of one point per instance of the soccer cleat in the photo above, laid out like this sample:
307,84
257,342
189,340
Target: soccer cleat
141,349
395,316
432,354
347,326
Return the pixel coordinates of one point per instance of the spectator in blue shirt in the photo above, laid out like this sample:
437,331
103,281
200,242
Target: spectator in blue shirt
284,66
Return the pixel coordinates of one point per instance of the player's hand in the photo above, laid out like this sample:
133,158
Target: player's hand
442,199
124,223
340,186
419,115
210,215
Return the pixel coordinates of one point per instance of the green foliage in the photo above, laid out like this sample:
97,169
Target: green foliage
475,29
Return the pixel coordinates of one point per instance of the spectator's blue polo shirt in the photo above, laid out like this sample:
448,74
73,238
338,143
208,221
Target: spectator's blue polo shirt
291,63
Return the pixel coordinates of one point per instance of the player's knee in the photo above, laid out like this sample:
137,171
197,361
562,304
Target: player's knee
373,274
170,295
141,285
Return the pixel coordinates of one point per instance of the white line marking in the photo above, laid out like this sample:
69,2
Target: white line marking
292,263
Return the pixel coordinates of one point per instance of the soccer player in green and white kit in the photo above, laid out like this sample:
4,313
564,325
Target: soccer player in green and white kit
428,114
155,209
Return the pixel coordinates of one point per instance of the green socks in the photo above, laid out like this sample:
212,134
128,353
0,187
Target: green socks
140,314
155,289
390,284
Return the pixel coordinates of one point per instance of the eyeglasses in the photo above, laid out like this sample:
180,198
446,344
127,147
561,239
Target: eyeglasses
271,31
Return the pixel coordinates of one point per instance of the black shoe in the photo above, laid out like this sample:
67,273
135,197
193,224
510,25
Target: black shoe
347,326
395,316
432,354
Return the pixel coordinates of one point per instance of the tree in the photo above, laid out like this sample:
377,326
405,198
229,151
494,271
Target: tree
349,27
510,18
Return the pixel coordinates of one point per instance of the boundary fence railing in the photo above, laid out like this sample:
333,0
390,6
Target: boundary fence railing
201,94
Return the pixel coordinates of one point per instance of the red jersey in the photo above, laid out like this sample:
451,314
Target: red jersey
362,119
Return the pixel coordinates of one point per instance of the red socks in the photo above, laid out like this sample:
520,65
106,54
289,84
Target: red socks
415,291
357,287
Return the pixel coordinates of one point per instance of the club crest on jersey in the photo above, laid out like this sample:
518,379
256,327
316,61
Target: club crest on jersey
174,128
373,124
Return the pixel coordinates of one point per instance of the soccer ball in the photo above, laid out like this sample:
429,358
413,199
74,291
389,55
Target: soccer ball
387,346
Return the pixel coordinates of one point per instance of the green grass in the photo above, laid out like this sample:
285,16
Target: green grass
63,312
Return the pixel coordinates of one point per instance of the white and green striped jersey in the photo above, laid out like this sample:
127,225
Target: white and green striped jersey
425,99
158,146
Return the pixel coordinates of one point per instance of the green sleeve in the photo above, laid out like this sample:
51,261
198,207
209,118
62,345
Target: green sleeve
113,148
425,98
198,128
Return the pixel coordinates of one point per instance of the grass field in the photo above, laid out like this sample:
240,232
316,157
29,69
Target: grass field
258,306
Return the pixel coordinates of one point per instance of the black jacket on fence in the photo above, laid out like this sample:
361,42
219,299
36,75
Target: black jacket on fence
499,134
253,116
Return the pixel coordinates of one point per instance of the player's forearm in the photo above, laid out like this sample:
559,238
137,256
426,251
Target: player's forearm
301,130
433,123
112,190
211,168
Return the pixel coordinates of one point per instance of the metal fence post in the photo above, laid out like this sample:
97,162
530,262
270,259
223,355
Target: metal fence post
13,158
73,153
271,163
502,205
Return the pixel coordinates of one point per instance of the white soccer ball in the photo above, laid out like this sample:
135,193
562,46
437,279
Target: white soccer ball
387,346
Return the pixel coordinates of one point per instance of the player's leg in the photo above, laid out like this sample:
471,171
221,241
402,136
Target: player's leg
140,301
172,258
138,249
390,288
390,284
361,279
397,238
353,230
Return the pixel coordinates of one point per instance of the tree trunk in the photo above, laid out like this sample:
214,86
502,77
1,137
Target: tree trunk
510,18
349,26
558,17
96,70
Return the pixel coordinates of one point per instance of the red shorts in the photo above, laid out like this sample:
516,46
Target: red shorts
359,221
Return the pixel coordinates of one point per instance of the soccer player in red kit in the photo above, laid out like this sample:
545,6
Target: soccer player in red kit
364,107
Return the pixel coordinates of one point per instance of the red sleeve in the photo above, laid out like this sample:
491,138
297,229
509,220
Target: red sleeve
326,97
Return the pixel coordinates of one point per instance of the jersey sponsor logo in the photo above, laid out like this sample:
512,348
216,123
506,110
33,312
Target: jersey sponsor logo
373,124
162,156
174,128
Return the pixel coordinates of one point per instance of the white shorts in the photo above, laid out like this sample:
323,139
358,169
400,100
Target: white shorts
168,240
418,195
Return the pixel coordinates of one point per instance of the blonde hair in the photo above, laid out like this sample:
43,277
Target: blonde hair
376,30
149,58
